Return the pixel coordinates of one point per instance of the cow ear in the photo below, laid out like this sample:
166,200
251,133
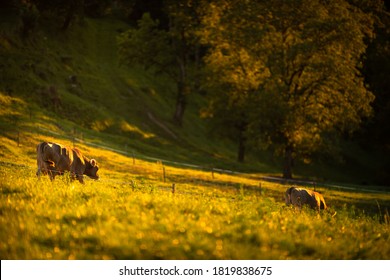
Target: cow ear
93,162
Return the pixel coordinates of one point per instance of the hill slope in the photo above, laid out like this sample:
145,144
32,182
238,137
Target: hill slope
69,88
72,84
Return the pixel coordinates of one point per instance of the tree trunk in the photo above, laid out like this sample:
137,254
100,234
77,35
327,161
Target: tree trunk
182,89
288,163
181,103
29,16
241,145
70,14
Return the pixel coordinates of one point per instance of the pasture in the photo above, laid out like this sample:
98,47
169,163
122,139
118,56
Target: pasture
133,213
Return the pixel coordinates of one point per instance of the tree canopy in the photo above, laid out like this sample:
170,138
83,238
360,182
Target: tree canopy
293,67
165,50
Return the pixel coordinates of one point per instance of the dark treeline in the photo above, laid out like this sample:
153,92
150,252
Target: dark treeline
293,77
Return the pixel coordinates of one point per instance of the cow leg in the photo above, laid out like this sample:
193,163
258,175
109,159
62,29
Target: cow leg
299,203
51,170
38,168
74,176
42,169
80,178
52,174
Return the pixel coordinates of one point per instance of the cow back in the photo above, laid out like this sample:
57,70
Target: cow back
300,197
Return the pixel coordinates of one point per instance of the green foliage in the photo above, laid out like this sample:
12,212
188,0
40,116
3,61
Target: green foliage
165,51
293,67
147,46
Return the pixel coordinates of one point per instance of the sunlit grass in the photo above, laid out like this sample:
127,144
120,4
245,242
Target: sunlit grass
131,213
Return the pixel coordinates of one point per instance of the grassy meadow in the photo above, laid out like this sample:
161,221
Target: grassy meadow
131,213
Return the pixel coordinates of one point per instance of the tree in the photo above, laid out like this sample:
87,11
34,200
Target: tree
168,51
65,11
29,15
229,120
376,72
295,68
68,11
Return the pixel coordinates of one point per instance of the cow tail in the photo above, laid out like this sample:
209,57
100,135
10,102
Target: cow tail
40,148
38,167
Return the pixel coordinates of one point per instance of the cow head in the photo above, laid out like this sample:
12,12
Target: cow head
91,169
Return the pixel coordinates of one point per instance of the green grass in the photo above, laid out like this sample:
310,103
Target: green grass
131,212
135,215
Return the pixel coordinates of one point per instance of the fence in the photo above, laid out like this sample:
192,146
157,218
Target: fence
212,170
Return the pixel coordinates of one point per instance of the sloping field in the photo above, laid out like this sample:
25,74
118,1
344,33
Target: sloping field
69,88
133,212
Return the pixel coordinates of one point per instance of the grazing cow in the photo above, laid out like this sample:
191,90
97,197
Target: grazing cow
54,159
300,196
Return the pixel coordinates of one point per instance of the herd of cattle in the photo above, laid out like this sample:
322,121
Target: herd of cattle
54,159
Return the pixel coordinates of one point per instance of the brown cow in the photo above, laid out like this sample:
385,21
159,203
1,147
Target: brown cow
54,159
300,196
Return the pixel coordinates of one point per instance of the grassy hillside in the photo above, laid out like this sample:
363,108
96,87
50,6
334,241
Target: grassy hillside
71,82
68,87
133,213
74,78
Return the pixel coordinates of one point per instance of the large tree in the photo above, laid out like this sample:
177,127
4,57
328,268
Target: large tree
170,49
294,66
377,72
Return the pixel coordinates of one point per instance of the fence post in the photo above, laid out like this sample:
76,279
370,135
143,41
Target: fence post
173,188
133,185
212,173
163,173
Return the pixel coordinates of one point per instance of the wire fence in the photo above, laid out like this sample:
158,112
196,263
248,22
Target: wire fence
134,184
137,155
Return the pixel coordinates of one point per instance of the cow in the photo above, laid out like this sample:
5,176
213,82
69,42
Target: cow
54,159
299,197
